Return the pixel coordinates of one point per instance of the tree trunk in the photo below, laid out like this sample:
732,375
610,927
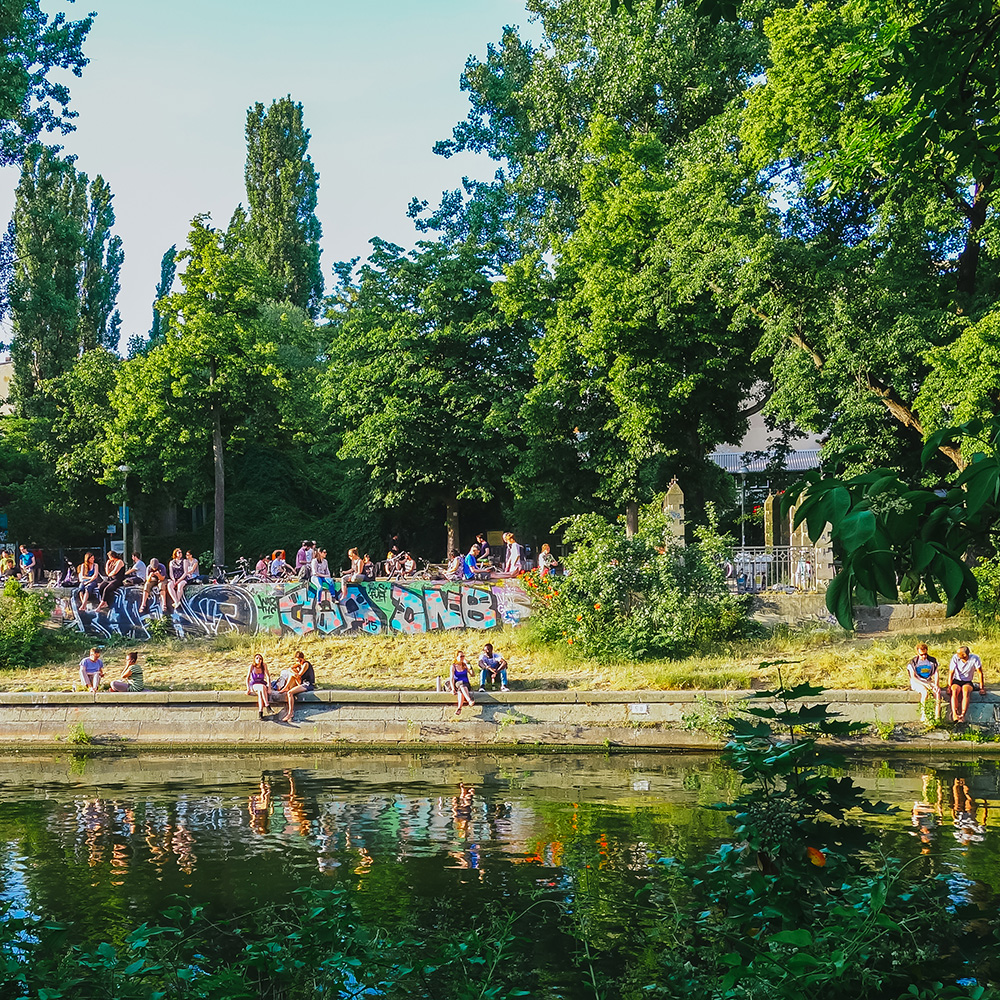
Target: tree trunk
631,518
219,547
451,523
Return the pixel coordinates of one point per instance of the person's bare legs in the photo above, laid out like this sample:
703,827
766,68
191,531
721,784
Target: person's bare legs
463,695
292,692
263,699
960,701
179,590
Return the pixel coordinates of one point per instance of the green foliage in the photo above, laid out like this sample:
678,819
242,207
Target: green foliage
633,598
282,232
985,606
801,904
425,376
22,617
66,272
30,48
886,530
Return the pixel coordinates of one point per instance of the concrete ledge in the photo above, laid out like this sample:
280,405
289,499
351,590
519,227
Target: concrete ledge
649,719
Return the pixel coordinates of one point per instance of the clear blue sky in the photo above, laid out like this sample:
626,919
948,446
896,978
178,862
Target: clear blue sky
163,103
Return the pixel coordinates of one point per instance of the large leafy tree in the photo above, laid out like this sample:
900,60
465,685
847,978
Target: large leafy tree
425,378
66,271
644,385
282,231
31,46
233,367
877,131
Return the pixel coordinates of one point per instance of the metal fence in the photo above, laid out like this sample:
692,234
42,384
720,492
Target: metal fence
779,567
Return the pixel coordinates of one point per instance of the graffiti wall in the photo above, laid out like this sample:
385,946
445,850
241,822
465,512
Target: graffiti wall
294,608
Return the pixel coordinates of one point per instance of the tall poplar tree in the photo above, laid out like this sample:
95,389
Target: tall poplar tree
282,231
65,279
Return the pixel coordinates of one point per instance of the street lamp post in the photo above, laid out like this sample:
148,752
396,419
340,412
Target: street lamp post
123,512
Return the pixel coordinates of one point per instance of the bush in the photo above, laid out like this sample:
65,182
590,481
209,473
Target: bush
633,598
985,606
22,614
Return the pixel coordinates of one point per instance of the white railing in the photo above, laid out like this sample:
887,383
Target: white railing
756,568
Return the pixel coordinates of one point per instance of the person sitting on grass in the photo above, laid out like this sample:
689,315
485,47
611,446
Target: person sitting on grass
92,670
259,683
923,674
460,682
493,668
131,678
303,678
961,676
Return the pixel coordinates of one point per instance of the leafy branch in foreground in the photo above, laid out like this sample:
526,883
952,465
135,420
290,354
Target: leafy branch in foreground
892,536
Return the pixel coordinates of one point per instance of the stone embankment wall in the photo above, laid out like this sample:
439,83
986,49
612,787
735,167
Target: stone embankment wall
651,719
775,606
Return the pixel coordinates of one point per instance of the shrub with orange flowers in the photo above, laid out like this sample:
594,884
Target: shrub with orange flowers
632,598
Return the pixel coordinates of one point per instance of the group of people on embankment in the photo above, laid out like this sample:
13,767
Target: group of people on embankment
924,673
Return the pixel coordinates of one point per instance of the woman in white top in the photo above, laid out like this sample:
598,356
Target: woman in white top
321,573
514,564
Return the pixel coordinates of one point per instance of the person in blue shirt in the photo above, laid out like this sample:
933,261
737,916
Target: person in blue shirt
492,668
470,564
27,565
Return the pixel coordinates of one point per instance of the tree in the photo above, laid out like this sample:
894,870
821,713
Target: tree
875,124
425,377
103,256
65,274
157,332
646,383
30,48
282,231
47,235
232,368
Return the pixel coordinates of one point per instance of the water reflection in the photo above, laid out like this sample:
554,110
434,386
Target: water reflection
117,839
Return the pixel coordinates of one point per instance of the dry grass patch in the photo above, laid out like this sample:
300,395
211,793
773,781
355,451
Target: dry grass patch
827,657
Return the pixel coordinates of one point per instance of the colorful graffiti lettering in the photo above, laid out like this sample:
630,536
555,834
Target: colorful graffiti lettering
298,609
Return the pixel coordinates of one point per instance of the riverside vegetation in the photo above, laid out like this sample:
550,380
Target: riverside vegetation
799,901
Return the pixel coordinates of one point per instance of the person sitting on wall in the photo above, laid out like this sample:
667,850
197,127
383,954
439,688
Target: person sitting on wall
303,560
28,565
303,678
460,682
156,579
89,575
961,676
923,673
192,570
455,567
279,569
260,570
514,563
8,564
114,579
485,552
354,574
91,670
493,668
176,579
131,678
321,578
137,574
69,577
471,570
547,562
367,568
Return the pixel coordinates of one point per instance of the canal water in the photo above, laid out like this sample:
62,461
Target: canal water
103,842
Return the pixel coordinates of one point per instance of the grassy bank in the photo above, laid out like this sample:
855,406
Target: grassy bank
825,656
